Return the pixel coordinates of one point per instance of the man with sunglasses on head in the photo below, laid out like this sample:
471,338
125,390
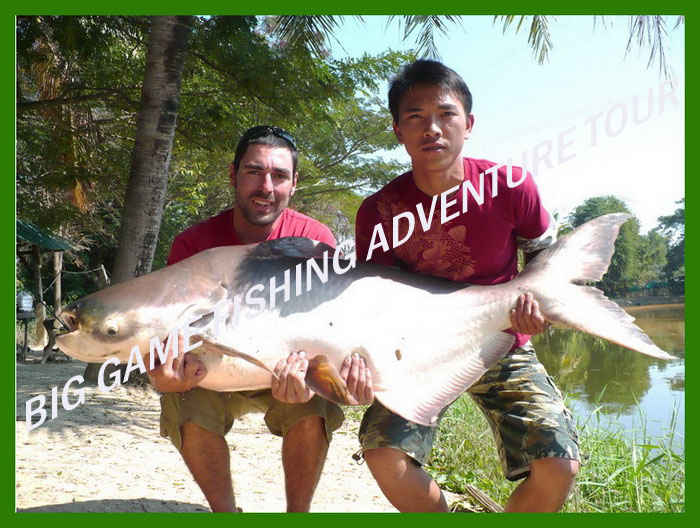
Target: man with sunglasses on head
263,175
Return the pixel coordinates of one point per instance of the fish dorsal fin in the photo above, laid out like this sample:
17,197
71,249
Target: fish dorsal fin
422,404
298,247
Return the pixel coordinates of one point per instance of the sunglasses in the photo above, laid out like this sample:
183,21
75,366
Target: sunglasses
264,130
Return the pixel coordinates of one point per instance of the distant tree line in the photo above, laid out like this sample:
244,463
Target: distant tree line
658,255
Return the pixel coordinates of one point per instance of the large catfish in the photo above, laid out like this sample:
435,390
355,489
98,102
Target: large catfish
425,339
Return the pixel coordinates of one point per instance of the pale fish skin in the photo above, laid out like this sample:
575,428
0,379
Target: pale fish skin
426,340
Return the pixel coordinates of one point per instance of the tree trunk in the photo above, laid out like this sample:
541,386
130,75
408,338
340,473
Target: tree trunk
150,158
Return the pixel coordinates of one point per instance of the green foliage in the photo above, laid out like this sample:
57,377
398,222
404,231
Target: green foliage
619,475
78,92
645,475
465,453
538,36
651,256
673,227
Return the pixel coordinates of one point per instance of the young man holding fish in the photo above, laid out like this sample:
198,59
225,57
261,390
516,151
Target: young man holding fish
264,177
535,434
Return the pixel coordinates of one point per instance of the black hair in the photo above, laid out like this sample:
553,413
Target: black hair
265,135
425,71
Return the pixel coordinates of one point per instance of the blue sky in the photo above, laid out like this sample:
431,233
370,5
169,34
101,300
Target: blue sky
597,122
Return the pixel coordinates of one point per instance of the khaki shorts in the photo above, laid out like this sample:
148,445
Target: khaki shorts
523,407
216,411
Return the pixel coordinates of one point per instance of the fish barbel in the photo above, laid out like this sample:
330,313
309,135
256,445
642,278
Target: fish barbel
426,340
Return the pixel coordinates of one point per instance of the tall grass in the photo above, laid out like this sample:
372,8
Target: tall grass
617,474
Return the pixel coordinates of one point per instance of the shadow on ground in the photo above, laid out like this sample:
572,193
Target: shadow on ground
118,506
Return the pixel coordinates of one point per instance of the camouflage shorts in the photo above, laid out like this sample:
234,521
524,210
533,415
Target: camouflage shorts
522,405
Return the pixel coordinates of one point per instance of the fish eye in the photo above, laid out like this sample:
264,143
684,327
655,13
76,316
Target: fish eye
112,330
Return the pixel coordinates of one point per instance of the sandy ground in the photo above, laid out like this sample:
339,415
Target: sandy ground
107,456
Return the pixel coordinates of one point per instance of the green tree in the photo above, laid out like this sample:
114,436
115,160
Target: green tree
652,257
624,269
77,89
673,227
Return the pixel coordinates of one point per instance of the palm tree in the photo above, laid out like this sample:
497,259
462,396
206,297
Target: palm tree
150,158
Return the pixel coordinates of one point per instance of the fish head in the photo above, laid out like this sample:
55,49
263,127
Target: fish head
109,323
99,329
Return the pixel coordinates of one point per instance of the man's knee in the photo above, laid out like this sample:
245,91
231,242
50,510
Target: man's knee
193,435
554,470
192,429
387,459
309,425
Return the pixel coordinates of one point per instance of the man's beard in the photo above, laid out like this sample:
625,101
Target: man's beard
261,219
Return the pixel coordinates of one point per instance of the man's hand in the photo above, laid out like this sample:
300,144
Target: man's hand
358,379
289,386
178,374
526,318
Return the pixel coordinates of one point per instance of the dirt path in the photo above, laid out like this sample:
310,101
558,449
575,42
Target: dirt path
107,456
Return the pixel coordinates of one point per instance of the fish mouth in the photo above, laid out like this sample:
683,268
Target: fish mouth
69,323
63,333
66,344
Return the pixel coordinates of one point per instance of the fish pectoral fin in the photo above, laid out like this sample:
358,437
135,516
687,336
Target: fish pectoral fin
220,348
323,378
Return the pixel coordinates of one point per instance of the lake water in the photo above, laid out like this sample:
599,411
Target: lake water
630,390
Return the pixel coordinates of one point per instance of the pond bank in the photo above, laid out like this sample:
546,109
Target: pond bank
650,301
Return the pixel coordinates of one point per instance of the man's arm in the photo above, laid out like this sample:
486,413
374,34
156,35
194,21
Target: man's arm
526,317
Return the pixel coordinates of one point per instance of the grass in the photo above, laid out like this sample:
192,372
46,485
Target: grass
617,474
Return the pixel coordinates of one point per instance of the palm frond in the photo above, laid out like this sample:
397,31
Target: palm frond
308,32
539,37
651,31
426,26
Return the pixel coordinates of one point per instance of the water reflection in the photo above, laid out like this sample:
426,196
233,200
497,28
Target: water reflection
586,367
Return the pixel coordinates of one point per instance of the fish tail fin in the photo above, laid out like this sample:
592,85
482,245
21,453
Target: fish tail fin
557,278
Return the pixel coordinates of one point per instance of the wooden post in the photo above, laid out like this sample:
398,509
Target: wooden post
40,309
57,269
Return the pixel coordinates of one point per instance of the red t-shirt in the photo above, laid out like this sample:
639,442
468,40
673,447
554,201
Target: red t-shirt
218,231
478,246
